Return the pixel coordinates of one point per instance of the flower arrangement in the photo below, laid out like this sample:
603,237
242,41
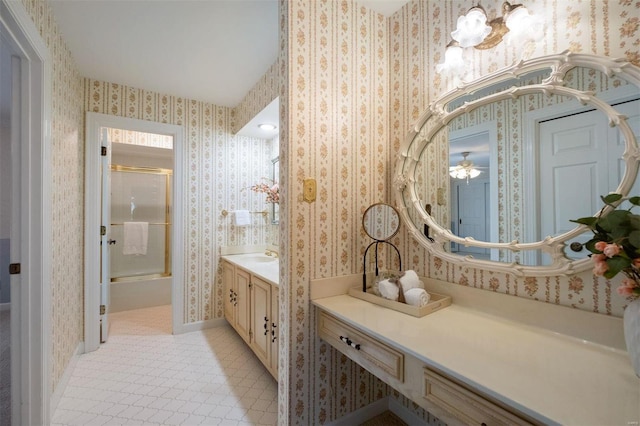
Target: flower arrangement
615,245
273,191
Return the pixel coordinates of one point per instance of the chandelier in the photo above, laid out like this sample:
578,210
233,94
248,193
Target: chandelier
464,169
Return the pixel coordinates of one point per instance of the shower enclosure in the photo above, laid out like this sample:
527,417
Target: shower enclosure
141,195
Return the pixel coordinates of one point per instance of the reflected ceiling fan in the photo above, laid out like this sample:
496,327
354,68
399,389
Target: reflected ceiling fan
465,169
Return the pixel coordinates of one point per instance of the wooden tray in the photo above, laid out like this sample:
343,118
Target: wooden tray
436,302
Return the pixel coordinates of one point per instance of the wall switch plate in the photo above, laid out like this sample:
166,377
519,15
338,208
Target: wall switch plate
309,190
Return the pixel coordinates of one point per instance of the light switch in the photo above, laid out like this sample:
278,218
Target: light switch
309,190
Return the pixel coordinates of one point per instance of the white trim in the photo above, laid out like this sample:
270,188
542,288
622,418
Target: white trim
201,325
375,409
35,304
403,412
363,414
94,121
66,375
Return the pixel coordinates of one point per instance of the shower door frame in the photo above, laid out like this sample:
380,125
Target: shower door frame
94,122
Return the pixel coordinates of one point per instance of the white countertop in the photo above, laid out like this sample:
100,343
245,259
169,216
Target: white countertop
547,375
259,264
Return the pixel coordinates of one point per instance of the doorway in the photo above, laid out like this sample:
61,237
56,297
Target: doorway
25,220
134,185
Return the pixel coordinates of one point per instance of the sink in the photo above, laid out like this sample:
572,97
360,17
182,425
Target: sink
260,258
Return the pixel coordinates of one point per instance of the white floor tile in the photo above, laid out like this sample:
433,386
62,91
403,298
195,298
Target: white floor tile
145,376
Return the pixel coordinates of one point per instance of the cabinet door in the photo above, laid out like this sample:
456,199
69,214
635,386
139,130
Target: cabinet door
261,319
275,333
228,280
243,280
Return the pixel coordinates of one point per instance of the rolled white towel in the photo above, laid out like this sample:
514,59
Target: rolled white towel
417,297
388,290
409,280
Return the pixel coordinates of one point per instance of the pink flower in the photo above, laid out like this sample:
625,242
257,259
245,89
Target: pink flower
598,257
628,282
601,245
600,268
623,290
611,250
636,262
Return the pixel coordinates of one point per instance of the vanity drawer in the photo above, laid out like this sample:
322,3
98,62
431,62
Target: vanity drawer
360,347
466,405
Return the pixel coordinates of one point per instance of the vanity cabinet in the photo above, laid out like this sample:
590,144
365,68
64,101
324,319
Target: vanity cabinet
236,307
251,307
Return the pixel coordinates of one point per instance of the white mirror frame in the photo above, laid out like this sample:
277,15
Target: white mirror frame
559,65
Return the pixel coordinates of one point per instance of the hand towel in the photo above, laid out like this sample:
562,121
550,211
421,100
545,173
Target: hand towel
136,237
417,297
242,218
409,280
388,290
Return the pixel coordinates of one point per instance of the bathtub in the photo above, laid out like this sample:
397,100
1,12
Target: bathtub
140,293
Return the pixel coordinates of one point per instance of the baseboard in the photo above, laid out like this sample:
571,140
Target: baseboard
64,380
403,412
363,414
5,307
200,325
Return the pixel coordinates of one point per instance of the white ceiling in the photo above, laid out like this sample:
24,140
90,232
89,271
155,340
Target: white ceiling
208,50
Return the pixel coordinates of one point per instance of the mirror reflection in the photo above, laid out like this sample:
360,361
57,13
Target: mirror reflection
520,165
381,221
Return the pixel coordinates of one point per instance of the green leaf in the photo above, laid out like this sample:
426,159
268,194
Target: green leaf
634,239
589,221
616,264
635,201
615,219
611,198
634,221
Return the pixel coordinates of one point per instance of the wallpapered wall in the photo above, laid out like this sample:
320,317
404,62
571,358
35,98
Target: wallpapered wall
354,82
67,188
334,72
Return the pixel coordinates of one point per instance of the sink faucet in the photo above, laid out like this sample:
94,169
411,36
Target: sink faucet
271,253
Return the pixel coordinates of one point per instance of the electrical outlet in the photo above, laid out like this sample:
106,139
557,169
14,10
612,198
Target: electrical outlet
309,190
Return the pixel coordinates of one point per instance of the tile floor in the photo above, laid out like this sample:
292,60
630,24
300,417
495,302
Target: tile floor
145,376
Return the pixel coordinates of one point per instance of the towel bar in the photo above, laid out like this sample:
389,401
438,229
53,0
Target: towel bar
264,213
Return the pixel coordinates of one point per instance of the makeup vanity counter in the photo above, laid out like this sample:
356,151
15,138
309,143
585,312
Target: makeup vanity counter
462,358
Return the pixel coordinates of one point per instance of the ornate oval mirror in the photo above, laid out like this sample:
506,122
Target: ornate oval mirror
496,169
381,221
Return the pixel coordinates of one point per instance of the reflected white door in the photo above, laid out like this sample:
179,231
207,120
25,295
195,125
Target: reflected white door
472,214
105,240
580,160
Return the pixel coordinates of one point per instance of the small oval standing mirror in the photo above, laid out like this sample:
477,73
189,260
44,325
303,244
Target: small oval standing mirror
381,221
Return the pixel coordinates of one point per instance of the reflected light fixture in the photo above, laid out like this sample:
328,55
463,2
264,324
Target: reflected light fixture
516,26
267,126
464,169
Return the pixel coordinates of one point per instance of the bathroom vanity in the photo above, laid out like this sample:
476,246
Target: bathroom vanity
251,303
488,358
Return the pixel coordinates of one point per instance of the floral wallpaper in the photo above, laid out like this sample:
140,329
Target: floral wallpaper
261,95
67,193
132,137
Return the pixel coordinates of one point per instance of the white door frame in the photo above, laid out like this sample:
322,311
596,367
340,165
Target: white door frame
94,121
17,28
